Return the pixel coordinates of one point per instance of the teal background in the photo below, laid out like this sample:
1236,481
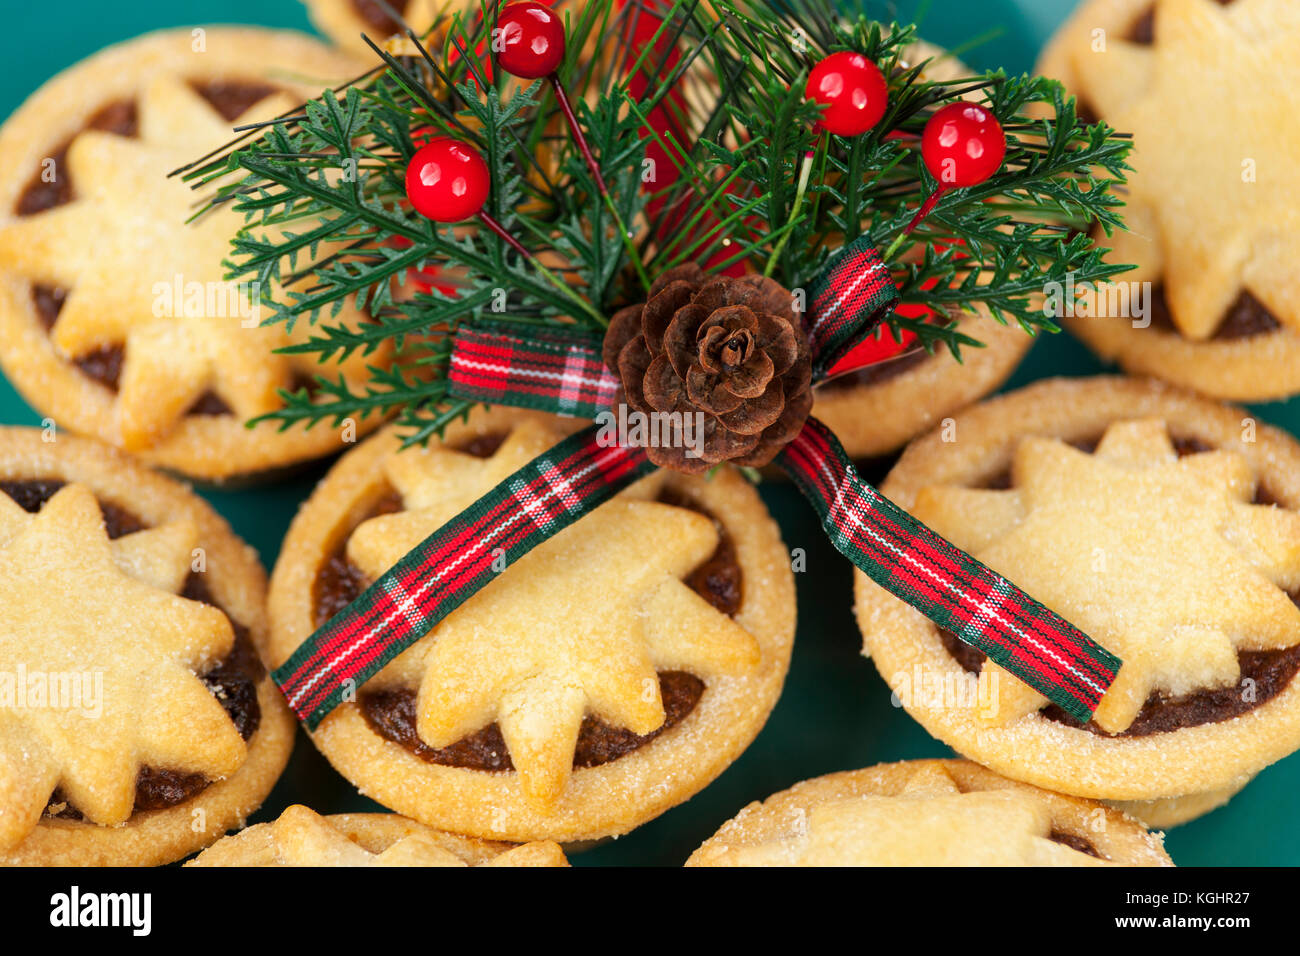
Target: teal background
835,713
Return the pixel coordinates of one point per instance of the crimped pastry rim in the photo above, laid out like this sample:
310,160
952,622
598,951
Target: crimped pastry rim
876,419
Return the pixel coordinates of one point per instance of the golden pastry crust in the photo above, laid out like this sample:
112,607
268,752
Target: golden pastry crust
1259,367
751,655
878,418
926,812
302,838
1030,747
154,69
236,581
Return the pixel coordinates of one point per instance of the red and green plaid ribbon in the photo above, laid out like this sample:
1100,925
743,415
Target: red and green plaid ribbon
853,295
944,583
544,496
562,372
507,363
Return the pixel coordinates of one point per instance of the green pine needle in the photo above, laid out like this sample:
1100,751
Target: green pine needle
327,224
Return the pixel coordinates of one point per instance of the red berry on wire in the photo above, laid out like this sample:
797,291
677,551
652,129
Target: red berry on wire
853,91
529,40
447,181
963,145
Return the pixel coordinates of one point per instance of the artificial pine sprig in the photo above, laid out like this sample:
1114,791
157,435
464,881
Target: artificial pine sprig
1007,230
327,220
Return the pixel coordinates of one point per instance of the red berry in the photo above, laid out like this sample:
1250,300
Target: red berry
446,181
853,91
963,145
529,40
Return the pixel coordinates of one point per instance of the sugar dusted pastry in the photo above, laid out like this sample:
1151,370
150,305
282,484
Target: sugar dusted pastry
1213,209
137,723
927,813
604,677
1165,526
116,318
301,837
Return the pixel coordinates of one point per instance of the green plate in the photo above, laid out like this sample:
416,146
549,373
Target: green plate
835,713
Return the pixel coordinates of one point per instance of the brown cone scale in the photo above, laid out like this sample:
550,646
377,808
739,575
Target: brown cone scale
732,349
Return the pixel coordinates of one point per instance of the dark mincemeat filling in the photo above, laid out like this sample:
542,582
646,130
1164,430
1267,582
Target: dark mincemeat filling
1075,842
1271,670
1143,30
38,195
232,680
392,713
1245,318
32,495
104,364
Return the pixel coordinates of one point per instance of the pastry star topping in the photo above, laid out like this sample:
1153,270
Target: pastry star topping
930,823
1213,101
72,604
580,624
1161,559
301,837
123,243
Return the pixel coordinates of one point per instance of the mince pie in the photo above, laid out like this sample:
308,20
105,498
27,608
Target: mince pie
137,723
877,409
301,837
116,319
1167,528
927,813
606,676
1213,215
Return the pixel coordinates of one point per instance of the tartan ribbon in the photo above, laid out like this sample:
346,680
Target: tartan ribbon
848,300
507,363
562,371
947,585
544,496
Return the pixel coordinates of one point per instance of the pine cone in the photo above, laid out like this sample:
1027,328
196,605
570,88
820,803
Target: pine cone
731,349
